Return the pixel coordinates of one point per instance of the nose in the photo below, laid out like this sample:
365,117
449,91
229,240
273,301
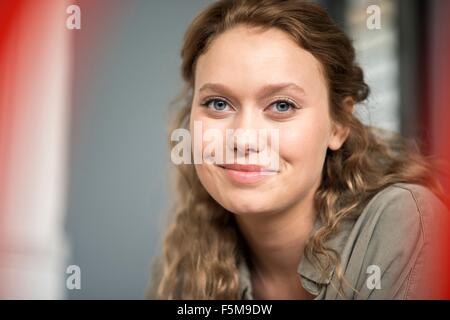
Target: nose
246,137
245,141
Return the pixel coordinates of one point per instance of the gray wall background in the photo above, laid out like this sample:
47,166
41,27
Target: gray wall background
126,71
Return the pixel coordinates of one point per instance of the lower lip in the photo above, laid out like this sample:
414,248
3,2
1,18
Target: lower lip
247,177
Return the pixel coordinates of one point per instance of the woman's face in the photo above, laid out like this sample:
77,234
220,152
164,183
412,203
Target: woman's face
253,80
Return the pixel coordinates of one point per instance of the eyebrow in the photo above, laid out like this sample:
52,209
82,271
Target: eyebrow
265,91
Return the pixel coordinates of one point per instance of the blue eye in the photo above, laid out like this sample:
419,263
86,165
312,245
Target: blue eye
216,104
283,106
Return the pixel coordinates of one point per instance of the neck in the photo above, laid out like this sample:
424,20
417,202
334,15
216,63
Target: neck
276,240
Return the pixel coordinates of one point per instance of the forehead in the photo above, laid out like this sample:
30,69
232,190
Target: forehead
245,57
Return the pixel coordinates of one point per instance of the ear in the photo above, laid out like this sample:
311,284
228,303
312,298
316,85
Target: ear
340,132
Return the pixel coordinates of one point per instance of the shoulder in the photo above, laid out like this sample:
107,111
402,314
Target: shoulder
404,205
394,235
415,195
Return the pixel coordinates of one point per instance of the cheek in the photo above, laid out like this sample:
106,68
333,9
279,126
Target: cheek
200,124
204,175
305,141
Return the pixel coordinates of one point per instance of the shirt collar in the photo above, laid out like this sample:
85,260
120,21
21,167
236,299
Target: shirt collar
310,277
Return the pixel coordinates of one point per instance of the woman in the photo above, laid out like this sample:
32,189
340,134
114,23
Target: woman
346,213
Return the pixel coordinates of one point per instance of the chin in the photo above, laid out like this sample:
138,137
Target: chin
241,205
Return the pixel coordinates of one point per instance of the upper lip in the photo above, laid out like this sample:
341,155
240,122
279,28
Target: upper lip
246,167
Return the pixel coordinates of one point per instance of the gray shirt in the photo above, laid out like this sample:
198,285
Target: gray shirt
389,252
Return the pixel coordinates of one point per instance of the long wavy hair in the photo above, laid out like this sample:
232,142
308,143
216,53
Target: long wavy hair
203,247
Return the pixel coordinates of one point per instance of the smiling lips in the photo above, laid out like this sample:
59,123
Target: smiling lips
246,173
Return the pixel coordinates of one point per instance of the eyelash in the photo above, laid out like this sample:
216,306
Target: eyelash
291,103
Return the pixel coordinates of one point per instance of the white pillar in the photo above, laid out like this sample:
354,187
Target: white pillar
34,74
